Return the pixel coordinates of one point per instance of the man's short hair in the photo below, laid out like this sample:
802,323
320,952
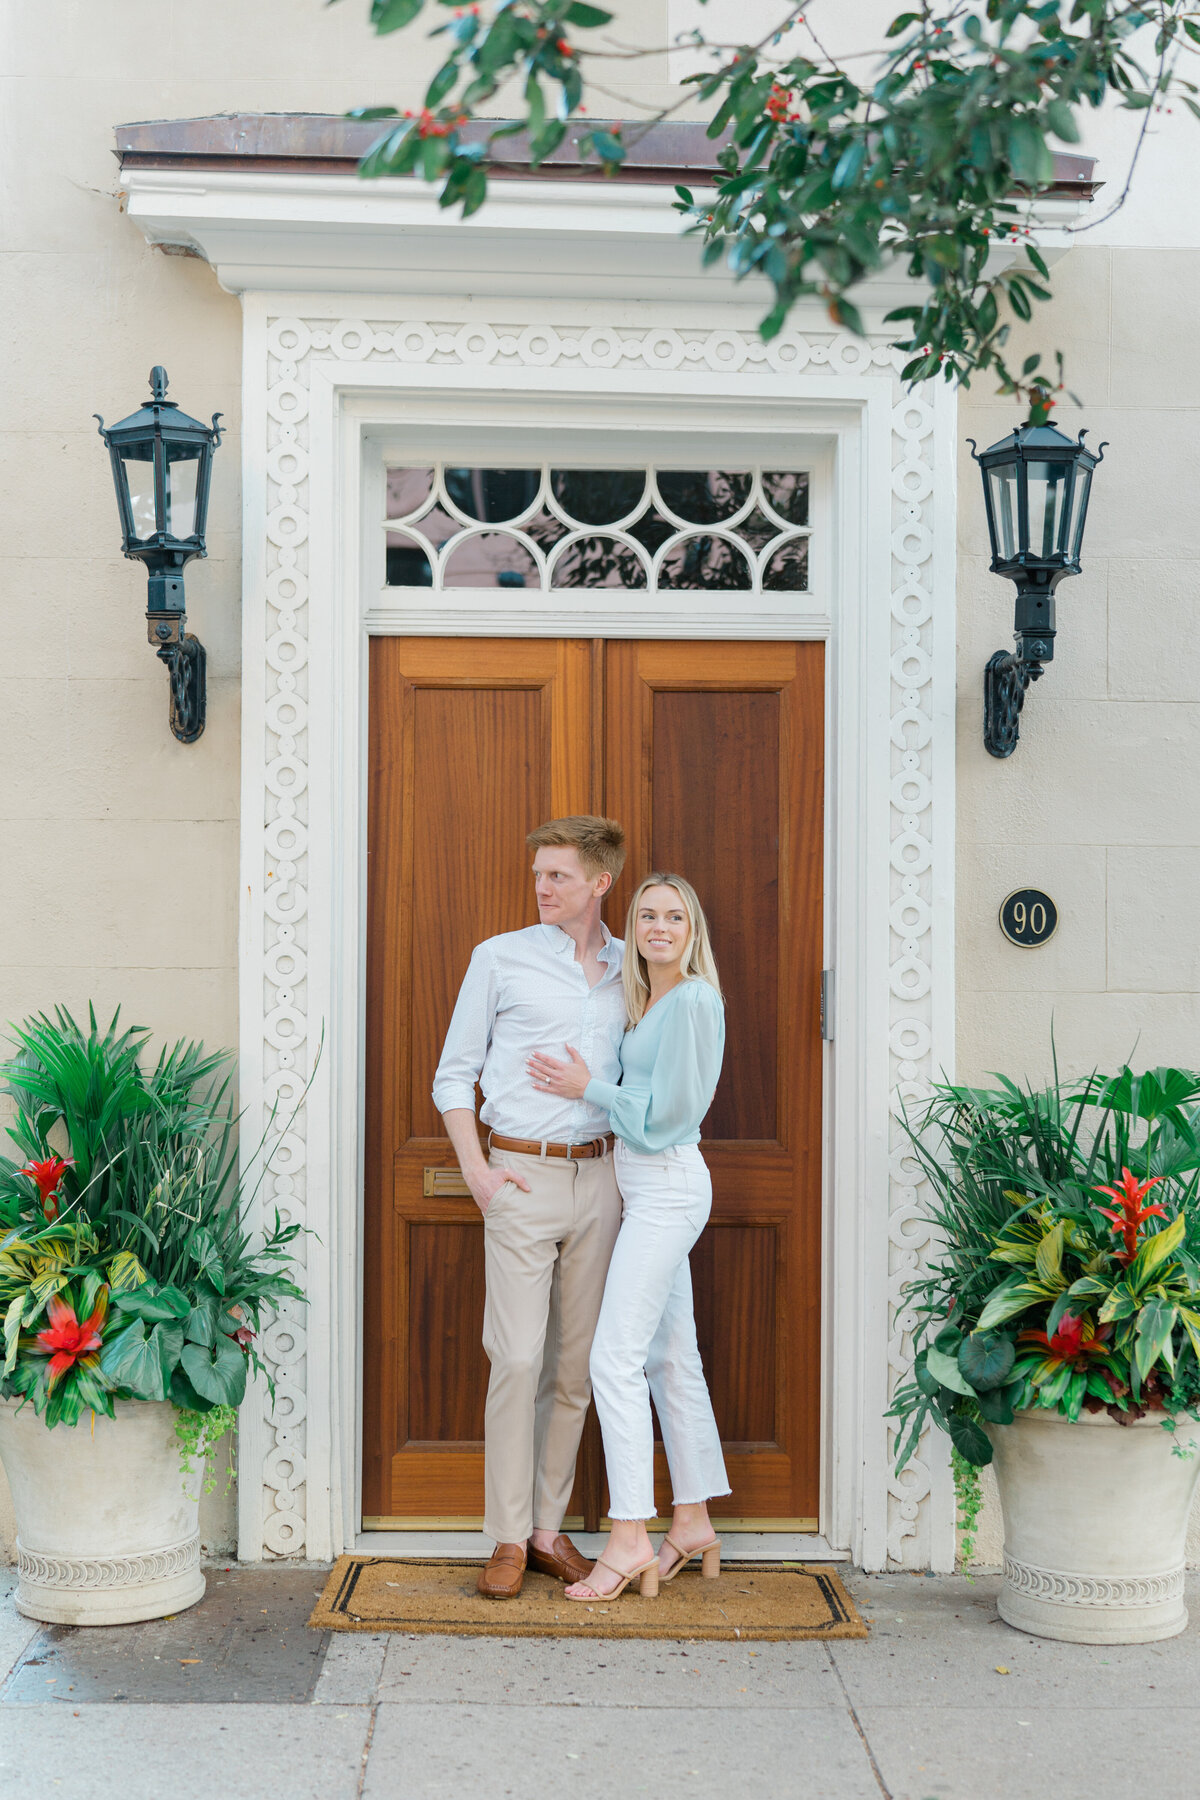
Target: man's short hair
600,842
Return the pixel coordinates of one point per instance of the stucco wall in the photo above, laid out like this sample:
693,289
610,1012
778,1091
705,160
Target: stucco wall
1100,804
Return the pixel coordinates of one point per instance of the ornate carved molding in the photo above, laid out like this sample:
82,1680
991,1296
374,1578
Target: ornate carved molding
79,1572
294,345
1090,1590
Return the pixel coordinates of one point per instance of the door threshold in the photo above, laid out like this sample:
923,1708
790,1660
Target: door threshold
741,1546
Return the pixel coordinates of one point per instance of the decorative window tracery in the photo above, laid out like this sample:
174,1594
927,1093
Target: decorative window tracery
733,530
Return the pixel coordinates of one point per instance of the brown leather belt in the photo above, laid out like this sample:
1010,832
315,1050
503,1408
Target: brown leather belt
598,1146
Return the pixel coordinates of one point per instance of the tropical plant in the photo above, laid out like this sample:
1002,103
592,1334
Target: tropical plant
1040,1294
127,1269
915,153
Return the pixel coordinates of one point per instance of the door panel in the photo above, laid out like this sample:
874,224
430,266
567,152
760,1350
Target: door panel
710,754
715,767
472,744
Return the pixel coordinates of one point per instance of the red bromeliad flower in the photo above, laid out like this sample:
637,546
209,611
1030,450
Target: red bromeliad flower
68,1342
1130,1214
1076,1341
47,1178
243,1336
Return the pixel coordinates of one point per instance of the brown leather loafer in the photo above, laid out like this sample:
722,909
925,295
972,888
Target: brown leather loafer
502,1578
563,1560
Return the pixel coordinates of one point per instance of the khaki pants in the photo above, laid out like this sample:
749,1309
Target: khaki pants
547,1255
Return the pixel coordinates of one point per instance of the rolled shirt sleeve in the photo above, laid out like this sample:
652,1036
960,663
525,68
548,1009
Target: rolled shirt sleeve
668,1109
469,1035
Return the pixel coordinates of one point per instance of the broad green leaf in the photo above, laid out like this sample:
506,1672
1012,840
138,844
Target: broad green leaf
588,17
1048,1261
128,1360
152,1302
442,84
986,1361
1155,1324
207,1257
1120,1304
998,1404
1061,121
184,1394
970,1440
125,1272
927,1382
1155,1250
1005,1302
945,1370
393,15
167,1339
218,1374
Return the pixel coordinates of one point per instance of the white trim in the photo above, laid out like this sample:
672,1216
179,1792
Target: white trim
743,1546
890,722
585,240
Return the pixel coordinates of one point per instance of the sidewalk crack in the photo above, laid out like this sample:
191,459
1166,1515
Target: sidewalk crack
366,1750
884,1789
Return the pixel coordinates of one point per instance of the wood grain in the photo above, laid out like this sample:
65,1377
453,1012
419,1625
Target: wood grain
711,755
715,765
472,743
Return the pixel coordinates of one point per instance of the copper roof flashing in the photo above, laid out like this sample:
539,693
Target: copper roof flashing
330,144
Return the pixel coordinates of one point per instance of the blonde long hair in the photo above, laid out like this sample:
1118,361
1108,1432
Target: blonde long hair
698,962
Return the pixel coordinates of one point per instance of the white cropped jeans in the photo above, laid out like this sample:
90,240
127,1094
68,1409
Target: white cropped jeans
645,1340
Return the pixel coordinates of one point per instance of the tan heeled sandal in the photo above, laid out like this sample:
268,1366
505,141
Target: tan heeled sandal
709,1554
647,1584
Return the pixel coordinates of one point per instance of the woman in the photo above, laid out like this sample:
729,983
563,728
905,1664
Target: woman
670,1061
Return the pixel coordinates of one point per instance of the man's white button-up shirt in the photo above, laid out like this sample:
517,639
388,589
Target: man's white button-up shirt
524,991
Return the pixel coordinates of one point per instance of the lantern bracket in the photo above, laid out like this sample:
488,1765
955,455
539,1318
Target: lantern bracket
186,665
1006,681
161,436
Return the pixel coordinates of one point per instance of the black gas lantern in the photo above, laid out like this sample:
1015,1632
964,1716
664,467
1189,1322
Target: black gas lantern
1036,484
161,464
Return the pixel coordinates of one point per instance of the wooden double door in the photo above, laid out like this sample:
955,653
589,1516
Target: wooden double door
711,756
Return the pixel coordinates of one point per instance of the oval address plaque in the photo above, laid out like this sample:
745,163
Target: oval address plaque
1028,918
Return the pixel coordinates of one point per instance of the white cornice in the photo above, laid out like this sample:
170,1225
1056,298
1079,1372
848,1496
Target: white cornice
546,239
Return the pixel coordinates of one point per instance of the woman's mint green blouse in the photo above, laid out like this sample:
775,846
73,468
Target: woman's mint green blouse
670,1062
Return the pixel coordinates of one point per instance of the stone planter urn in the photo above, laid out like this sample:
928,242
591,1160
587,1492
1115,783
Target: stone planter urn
1095,1526
106,1533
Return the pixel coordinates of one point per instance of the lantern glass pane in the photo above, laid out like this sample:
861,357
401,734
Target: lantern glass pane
1047,498
137,460
1003,483
183,469
1083,482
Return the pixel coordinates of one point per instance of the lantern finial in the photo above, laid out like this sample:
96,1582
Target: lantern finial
158,382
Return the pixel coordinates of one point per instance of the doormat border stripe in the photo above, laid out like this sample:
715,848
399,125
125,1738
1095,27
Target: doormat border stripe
683,1619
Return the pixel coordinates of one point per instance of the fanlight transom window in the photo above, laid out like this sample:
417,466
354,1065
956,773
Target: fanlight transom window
652,529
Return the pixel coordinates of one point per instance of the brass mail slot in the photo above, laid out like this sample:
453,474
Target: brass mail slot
445,1184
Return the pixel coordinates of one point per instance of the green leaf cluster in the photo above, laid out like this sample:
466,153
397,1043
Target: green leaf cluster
151,1237
925,161
1031,1298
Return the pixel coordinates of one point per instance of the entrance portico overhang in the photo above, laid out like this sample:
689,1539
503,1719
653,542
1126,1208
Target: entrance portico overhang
367,310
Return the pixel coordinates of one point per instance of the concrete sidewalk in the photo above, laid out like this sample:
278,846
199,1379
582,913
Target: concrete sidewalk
943,1702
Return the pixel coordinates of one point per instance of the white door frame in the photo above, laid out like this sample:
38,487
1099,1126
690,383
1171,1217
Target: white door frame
320,371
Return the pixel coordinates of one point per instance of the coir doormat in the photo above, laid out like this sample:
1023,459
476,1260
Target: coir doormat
749,1601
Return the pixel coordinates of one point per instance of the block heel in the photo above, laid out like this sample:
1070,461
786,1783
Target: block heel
709,1554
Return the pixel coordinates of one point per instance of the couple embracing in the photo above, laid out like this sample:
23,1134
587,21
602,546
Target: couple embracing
597,1062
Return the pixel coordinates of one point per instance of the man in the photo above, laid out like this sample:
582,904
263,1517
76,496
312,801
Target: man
546,1190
